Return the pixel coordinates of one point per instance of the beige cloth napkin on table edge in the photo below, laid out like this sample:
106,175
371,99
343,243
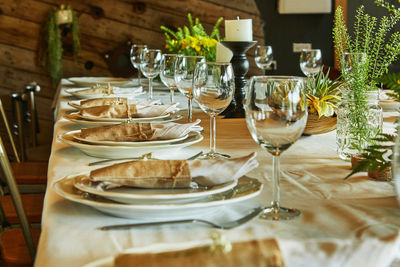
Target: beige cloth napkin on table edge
98,89
128,111
139,131
175,173
104,101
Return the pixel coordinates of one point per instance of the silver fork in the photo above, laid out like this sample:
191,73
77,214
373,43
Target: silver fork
226,225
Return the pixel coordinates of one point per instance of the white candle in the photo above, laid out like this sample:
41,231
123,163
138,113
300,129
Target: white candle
239,30
223,54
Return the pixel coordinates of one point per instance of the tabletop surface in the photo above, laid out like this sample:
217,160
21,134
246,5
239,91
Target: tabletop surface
353,222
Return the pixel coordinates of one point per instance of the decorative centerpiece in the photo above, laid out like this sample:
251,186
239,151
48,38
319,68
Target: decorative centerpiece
193,40
59,19
365,56
323,96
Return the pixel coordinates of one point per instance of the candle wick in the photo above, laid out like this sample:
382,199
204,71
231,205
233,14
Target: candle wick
238,18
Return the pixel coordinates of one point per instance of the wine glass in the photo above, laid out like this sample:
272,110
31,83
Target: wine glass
276,114
310,62
150,65
167,72
136,49
184,72
354,66
263,57
213,89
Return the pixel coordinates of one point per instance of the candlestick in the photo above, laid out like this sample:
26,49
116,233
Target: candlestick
240,66
240,30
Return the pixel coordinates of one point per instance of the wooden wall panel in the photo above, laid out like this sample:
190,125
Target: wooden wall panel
104,25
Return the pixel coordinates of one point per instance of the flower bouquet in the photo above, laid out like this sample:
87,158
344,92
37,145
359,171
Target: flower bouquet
193,40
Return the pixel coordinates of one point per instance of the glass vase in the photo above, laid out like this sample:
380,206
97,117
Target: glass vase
359,120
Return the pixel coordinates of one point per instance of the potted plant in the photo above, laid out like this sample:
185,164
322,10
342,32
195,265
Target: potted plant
193,40
60,17
323,96
365,55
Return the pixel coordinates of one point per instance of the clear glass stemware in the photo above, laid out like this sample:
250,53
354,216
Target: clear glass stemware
213,89
310,62
276,114
167,73
136,49
184,73
263,56
150,65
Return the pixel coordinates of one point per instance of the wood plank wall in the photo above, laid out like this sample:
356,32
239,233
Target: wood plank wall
104,24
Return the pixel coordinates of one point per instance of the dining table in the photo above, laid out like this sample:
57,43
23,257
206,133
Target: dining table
344,222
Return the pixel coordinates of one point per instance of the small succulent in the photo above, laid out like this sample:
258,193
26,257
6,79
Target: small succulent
323,95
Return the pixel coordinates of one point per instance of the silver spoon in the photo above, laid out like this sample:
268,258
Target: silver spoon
226,225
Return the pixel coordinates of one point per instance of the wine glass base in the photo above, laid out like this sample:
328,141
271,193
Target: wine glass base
214,156
281,214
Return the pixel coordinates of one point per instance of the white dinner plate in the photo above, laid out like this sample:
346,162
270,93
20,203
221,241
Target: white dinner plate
117,152
74,117
118,92
132,195
245,189
77,135
89,81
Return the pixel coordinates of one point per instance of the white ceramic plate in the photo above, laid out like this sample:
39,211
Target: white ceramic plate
117,152
131,195
118,92
246,188
77,135
74,117
89,81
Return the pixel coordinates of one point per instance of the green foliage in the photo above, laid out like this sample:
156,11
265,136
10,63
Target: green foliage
377,156
54,44
193,40
323,95
392,81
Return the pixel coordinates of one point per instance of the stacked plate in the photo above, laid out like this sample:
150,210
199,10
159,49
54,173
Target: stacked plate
116,150
145,204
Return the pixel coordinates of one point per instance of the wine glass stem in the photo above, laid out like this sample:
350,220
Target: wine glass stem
171,90
150,89
212,135
190,109
139,76
276,183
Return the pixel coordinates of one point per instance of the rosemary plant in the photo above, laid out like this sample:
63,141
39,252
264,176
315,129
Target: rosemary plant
372,48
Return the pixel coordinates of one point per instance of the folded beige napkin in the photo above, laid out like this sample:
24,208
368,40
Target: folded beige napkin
139,131
128,111
98,89
95,102
174,173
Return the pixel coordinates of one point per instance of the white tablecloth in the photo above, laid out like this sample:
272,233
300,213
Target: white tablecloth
352,222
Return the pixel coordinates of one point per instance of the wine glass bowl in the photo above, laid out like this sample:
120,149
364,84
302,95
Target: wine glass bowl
310,62
276,115
167,73
150,66
263,56
135,52
213,89
184,73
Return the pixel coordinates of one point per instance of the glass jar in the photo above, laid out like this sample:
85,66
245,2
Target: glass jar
359,119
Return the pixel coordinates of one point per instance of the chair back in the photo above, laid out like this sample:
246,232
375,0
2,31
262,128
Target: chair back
16,198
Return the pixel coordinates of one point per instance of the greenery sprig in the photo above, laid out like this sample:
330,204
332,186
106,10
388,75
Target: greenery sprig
193,40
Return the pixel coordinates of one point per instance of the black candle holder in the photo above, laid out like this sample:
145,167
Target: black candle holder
240,66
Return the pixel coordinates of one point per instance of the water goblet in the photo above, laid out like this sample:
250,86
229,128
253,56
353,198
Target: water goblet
136,49
276,114
213,89
167,73
354,66
263,56
150,65
310,62
184,73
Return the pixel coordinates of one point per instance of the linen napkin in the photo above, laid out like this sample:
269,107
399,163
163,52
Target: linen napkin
128,110
174,173
104,101
98,89
133,131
